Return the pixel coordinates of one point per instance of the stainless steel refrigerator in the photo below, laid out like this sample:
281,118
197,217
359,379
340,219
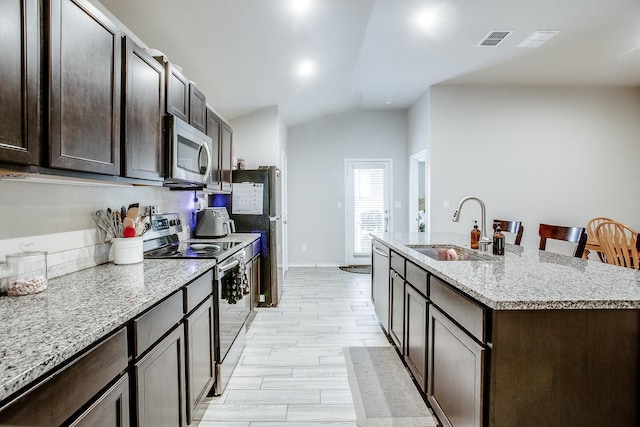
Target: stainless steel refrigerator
255,208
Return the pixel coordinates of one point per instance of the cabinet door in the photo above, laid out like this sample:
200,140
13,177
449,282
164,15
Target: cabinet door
213,131
226,162
455,375
143,111
197,108
160,384
177,92
200,355
20,70
110,410
416,334
396,320
84,89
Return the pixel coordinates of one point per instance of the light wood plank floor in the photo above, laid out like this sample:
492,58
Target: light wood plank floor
292,372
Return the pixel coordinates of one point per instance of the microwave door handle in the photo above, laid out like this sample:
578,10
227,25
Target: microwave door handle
207,172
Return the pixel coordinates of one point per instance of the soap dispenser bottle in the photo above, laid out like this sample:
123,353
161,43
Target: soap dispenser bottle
498,241
475,235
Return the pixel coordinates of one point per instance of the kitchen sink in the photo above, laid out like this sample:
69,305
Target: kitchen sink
448,253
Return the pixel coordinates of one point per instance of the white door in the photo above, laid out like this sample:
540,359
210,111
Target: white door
368,187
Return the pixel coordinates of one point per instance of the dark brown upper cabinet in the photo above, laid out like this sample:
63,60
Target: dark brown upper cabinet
84,88
20,135
143,110
214,124
226,153
177,92
197,108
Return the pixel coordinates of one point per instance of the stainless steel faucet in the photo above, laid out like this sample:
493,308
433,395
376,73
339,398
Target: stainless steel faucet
484,241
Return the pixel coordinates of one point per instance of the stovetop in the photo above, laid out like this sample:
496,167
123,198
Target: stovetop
163,242
192,249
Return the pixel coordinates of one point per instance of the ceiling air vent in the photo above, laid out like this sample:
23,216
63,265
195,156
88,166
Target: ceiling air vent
494,38
538,38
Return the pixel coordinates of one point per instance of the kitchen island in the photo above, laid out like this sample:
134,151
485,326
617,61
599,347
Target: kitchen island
528,338
93,312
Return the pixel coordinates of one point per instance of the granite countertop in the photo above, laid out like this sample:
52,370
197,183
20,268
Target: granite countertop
526,278
40,332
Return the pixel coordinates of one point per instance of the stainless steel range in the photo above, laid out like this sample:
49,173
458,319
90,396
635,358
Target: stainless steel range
231,311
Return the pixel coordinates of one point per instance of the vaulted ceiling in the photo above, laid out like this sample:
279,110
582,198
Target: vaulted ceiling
381,54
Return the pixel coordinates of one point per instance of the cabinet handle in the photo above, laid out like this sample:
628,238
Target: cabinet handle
379,252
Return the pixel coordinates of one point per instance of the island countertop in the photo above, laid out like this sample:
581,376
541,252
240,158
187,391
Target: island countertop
525,278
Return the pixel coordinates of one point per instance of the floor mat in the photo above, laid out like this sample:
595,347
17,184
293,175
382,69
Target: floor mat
361,269
383,392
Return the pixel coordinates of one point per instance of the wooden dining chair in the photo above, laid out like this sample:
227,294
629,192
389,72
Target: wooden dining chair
619,243
514,227
592,239
576,235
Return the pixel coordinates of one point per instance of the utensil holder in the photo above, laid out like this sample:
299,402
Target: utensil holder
127,250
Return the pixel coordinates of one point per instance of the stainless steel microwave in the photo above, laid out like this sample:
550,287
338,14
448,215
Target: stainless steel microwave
189,156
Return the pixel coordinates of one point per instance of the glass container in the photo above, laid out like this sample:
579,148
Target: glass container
26,273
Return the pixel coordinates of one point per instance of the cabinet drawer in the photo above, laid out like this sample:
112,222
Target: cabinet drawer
417,277
397,263
467,313
60,395
156,322
196,291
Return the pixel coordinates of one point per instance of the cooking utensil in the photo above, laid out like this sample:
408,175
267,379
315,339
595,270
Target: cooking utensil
128,222
133,210
129,232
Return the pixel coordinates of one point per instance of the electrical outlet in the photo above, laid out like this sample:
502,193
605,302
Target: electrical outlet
445,204
304,248
262,298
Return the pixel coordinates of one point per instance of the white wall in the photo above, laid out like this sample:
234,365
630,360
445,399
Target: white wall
316,153
258,138
418,119
556,155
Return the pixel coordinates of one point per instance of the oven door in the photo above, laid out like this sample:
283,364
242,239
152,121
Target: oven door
190,156
232,313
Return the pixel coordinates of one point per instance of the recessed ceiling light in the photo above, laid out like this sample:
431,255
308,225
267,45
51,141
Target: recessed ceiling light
300,7
430,19
305,68
388,102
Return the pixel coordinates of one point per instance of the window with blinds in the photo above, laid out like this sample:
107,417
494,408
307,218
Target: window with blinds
368,210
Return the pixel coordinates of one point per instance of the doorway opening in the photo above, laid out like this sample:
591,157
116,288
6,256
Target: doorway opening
418,192
368,188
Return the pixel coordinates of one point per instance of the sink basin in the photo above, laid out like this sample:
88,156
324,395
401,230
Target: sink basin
448,253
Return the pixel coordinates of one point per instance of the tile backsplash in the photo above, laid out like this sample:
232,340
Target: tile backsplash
56,218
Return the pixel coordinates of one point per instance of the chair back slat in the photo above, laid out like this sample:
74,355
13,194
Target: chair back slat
619,244
576,235
514,227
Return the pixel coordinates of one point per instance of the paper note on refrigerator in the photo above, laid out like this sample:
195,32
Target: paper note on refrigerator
247,198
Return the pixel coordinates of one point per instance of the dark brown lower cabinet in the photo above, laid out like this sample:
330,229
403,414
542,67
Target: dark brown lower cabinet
56,399
455,377
160,374
110,410
416,307
396,319
200,354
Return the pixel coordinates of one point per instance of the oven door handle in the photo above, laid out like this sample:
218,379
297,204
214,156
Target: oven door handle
228,265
